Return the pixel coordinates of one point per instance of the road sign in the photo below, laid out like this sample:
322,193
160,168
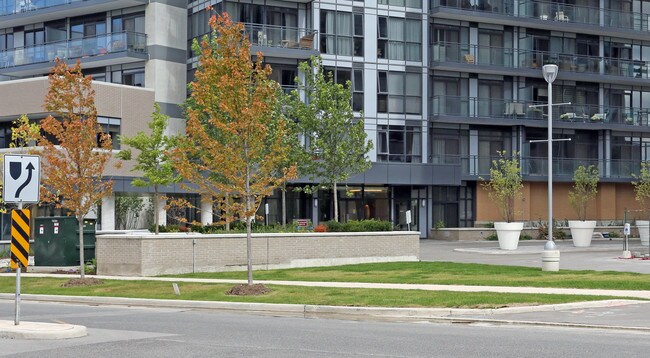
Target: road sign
22,178
19,238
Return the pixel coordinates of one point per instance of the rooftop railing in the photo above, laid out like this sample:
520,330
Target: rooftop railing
472,107
75,48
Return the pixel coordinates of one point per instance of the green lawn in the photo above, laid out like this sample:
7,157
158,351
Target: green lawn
291,294
448,273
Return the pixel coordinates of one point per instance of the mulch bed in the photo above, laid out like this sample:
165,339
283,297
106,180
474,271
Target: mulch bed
248,290
79,282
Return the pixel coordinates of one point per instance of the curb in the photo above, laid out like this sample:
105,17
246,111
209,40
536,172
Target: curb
448,315
39,330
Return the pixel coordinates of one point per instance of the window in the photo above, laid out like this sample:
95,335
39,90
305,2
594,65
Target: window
6,41
111,126
128,76
131,23
399,92
355,76
341,33
34,37
416,4
399,39
399,143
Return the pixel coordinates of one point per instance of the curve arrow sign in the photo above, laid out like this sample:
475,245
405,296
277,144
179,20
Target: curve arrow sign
29,168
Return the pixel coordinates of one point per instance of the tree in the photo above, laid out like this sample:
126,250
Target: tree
153,161
505,184
642,185
336,141
74,149
585,188
234,141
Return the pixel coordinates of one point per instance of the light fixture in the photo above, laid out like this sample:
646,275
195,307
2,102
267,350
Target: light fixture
315,202
424,203
549,72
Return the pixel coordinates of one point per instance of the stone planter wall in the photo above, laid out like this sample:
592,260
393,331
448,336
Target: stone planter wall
150,255
479,234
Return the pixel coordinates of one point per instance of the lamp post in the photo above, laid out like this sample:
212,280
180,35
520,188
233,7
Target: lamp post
551,255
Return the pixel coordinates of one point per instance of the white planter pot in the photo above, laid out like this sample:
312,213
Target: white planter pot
581,232
508,234
644,231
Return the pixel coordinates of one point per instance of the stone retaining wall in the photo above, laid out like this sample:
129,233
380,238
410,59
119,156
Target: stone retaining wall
478,234
150,255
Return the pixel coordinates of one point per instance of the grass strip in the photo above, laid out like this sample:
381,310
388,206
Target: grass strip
292,294
450,273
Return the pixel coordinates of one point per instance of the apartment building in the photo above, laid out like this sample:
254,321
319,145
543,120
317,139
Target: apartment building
442,86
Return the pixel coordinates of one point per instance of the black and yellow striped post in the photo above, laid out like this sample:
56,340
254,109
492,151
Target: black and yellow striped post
20,238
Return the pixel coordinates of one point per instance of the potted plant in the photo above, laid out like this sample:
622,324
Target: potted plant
585,188
642,195
504,187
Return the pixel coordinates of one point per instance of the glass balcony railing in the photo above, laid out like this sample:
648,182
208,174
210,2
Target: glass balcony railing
553,11
75,48
494,6
8,7
280,36
471,107
510,58
562,167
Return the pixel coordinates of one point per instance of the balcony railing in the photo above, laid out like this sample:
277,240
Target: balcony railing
75,48
280,36
511,58
553,11
562,167
9,7
498,6
472,107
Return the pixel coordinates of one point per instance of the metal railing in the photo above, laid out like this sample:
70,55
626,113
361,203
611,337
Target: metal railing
553,11
472,107
280,36
75,48
563,168
529,59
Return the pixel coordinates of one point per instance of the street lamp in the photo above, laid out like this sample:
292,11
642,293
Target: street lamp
550,73
550,255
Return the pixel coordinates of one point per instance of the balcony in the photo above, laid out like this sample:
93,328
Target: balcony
21,12
282,41
546,14
506,111
101,50
533,168
456,56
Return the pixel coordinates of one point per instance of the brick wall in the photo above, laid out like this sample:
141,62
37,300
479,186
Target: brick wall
150,255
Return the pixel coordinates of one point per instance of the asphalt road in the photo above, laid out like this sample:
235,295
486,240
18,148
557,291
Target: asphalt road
136,332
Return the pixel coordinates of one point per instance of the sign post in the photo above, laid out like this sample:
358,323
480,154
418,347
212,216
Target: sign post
22,178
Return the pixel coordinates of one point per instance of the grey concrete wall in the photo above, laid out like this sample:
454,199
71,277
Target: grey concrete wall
150,255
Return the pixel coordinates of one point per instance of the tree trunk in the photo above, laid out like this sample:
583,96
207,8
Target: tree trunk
249,244
82,262
336,204
155,209
284,205
226,212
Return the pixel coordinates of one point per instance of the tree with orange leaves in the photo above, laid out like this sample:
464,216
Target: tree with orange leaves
234,141
74,149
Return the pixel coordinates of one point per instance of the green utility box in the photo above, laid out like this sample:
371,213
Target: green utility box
56,241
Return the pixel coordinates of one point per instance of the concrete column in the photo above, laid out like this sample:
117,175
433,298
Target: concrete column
108,212
206,210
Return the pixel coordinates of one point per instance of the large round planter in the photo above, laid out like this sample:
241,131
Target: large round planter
581,232
508,234
644,231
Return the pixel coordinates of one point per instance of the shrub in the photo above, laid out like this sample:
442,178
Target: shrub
613,234
542,231
359,226
320,228
439,225
492,237
504,185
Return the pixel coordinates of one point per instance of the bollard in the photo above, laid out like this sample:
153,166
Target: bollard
551,260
